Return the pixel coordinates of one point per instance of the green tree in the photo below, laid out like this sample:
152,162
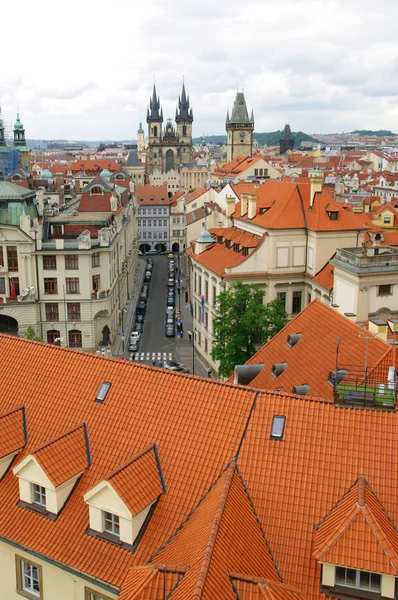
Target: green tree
30,334
242,322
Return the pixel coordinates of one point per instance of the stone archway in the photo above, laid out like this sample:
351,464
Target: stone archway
160,248
102,332
175,247
8,325
144,248
169,160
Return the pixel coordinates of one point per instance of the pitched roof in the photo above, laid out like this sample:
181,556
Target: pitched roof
258,588
358,533
183,414
325,277
12,431
312,359
64,456
139,481
152,195
151,582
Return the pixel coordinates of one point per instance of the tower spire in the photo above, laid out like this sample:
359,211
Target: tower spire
153,113
184,112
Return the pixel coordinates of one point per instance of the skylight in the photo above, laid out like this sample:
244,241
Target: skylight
278,427
103,391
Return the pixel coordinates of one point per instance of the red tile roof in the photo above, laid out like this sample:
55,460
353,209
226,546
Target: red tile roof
257,588
325,276
12,436
64,456
152,194
312,359
139,481
358,533
152,582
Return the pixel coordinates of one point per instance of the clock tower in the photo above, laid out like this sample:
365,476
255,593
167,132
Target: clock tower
239,129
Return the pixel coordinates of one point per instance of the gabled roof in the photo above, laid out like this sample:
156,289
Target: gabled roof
13,435
148,195
139,481
258,588
312,359
65,456
222,534
151,582
325,276
358,533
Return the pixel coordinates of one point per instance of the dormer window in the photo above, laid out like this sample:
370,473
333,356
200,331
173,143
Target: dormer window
236,248
362,580
333,215
111,524
39,495
96,190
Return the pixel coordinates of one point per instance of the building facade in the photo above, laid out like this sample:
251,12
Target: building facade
239,129
169,148
153,218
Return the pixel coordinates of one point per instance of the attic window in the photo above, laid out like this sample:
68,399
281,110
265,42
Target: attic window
227,243
97,190
220,239
293,338
103,391
278,369
278,427
263,210
245,251
333,215
39,494
236,247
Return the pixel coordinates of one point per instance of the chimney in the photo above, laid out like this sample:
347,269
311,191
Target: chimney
316,179
393,323
230,200
379,328
351,316
252,209
243,204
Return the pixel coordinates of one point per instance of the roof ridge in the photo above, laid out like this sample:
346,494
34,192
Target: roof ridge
57,438
215,528
11,411
130,461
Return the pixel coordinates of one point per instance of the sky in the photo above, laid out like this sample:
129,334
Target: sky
85,69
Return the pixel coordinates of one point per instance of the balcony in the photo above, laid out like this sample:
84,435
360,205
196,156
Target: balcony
100,295
365,258
372,387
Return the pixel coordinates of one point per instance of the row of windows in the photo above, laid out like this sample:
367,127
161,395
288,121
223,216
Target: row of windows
197,287
12,258
71,261
296,301
152,222
72,311
149,235
72,285
74,338
152,211
29,580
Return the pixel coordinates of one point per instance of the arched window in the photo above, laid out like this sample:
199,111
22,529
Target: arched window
97,190
75,338
169,160
184,130
155,131
54,337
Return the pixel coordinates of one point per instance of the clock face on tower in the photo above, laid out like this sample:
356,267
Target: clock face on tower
169,130
242,136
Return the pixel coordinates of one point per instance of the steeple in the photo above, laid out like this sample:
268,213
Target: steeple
240,115
19,135
184,113
153,113
140,130
227,119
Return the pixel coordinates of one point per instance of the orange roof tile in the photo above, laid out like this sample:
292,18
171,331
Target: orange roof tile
312,359
325,277
357,522
64,456
257,588
152,194
139,481
152,582
12,431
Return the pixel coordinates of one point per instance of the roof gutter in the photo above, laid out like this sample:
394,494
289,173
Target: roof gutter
55,563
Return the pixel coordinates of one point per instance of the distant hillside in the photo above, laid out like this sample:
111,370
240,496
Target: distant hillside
378,133
269,138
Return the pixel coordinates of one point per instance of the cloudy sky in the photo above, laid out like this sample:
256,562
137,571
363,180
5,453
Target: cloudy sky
84,69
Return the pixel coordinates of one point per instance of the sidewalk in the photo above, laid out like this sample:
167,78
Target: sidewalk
184,349
128,316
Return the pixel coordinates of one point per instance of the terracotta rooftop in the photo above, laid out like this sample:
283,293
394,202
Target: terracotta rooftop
12,431
148,195
325,276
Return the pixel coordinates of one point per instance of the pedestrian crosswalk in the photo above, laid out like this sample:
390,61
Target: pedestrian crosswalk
151,356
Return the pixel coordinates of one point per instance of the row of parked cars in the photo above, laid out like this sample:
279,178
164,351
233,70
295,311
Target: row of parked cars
171,299
140,312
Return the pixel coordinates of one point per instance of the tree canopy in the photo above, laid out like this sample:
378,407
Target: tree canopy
242,323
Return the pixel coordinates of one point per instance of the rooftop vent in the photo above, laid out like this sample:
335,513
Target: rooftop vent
336,377
244,374
278,427
103,391
278,369
302,390
293,338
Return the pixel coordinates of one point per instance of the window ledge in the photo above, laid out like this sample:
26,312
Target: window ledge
110,539
345,592
39,510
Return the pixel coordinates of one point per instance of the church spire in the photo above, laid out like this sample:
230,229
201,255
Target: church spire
153,113
240,115
184,113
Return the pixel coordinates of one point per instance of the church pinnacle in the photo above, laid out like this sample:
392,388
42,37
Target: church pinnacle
184,113
154,113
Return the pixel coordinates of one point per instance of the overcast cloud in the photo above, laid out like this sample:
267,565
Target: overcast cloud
85,69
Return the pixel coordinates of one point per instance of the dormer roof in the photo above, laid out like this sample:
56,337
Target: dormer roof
139,481
358,533
13,435
62,457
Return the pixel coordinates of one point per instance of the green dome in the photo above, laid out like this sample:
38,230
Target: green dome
18,124
46,174
205,237
105,174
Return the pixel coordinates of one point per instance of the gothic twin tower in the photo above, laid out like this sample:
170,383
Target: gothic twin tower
170,148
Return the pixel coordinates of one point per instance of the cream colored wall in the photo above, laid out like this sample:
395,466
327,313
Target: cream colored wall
106,499
388,586
57,583
5,463
328,574
346,294
377,302
325,244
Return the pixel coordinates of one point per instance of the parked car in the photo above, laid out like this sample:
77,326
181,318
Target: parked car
133,344
151,252
171,282
148,274
141,308
149,261
170,332
138,326
170,301
135,335
139,318
170,310
169,321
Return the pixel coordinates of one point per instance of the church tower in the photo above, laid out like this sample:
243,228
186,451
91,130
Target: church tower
154,119
287,141
20,144
184,120
141,143
239,129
